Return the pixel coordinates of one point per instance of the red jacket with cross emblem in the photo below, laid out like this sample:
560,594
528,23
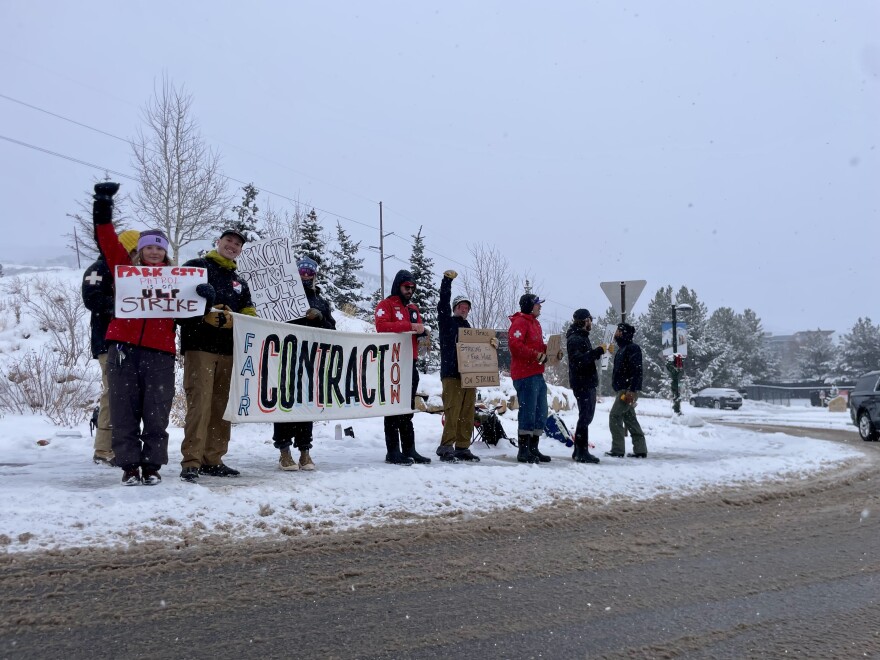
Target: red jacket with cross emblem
392,315
526,341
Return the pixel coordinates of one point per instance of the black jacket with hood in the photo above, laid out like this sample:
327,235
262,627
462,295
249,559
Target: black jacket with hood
582,374
627,374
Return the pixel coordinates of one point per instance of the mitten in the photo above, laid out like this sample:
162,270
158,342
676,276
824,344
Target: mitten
102,207
207,292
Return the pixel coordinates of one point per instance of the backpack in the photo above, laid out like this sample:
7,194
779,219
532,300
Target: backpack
555,428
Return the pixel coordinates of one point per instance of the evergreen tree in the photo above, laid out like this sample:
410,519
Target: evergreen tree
425,297
312,244
816,356
246,214
860,349
372,303
345,285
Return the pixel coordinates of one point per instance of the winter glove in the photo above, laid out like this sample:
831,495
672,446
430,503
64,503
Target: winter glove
207,292
601,349
609,348
560,355
102,208
220,316
451,274
628,398
314,314
542,358
493,342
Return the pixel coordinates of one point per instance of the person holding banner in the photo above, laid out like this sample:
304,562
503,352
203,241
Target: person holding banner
140,359
299,434
458,401
98,298
397,313
626,380
583,379
528,355
206,343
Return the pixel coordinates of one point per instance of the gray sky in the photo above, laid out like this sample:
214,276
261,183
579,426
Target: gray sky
729,147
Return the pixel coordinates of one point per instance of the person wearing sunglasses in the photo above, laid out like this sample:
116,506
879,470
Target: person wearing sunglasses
397,313
299,434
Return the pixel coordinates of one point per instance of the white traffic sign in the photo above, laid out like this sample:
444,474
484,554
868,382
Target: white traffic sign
623,294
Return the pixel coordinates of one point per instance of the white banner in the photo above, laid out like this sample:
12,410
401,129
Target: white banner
269,268
159,291
293,373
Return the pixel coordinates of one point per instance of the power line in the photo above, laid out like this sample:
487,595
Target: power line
264,190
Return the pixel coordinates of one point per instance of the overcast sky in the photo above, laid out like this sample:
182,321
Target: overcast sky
729,147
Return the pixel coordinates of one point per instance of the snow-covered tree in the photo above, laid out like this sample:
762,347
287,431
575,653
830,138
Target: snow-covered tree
425,297
246,214
816,355
344,286
313,244
859,349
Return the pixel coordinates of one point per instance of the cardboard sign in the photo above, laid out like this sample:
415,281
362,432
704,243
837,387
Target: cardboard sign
150,292
554,345
269,268
477,359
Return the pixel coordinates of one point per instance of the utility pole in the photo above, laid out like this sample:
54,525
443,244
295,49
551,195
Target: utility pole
381,248
76,243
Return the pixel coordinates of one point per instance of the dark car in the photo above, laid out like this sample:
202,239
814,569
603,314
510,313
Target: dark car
717,397
864,405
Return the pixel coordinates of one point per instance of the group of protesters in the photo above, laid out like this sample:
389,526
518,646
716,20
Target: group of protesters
137,358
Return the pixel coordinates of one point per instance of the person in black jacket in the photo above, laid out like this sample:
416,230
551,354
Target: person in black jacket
626,380
206,345
98,297
458,402
319,315
583,379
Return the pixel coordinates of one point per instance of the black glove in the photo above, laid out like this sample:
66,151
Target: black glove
102,208
600,350
207,292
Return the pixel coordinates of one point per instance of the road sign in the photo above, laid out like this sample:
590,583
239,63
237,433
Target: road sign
623,294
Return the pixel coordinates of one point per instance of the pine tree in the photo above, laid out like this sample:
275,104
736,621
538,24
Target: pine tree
425,297
246,214
312,244
860,349
346,287
816,355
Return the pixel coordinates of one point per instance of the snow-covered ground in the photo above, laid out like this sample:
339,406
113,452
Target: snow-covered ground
54,497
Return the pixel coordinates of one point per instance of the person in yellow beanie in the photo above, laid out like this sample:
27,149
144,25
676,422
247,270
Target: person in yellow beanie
97,295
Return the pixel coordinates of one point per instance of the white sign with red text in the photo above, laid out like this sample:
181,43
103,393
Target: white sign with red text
151,292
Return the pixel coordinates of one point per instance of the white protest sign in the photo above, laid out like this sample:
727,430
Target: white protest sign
159,291
294,373
269,268
608,340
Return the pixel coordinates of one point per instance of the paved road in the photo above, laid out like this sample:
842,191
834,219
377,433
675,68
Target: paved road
790,569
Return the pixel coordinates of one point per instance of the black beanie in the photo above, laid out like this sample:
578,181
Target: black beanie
528,301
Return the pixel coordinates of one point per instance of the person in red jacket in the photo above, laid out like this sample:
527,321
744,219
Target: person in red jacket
397,314
140,358
528,355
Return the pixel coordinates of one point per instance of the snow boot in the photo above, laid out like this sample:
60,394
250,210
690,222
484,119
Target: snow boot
583,454
524,455
408,443
465,454
305,461
533,446
392,446
286,462
447,454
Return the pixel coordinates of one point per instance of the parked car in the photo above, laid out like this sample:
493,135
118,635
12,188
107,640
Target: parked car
718,398
864,405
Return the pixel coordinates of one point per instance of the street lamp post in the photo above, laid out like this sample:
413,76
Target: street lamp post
674,366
